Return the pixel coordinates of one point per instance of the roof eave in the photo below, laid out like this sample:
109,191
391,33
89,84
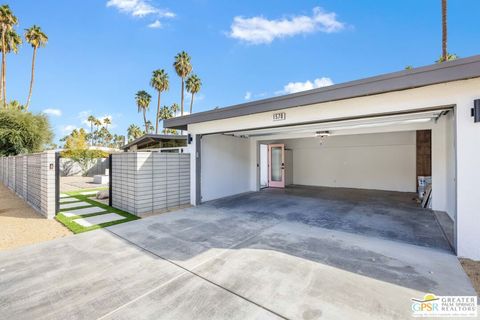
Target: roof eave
460,69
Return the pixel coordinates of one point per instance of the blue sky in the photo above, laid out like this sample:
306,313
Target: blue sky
100,52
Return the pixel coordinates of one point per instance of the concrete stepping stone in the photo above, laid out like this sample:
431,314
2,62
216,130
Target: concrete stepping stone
79,212
64,195
68,199
90,221
74,205
88,193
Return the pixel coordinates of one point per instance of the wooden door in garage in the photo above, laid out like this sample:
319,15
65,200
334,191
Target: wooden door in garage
424,153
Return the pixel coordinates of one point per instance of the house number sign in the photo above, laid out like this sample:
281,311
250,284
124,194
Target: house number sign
279,116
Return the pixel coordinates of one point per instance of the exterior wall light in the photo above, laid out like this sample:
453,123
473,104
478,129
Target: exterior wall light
476,110
322,134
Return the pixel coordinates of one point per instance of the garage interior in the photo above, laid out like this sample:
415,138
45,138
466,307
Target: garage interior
355,175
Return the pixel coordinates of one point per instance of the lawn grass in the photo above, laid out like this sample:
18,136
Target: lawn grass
76,228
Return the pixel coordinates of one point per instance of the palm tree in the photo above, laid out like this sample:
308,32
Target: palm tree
194,84
106,122
103,134
37,39
444,30
174,108
118,141
15,105
134,132
91,119
183,68
12,44
143,102
7,21
96,133
160,83
165,113
149,127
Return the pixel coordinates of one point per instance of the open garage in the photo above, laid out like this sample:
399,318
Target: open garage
358,175
364,152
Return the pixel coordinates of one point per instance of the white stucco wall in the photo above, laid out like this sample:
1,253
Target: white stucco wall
443,165
466,132
263,165
468,177
225,166
383,161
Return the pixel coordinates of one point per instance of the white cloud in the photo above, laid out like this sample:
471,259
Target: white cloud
259,30
155,25
139,8
293,87
53,112
67,129
248,95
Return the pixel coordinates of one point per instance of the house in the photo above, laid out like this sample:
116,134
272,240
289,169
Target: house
156,141
378,133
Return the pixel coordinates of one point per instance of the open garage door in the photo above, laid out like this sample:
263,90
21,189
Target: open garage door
369,153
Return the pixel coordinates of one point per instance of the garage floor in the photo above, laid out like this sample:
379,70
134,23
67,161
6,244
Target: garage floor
257,255
385,214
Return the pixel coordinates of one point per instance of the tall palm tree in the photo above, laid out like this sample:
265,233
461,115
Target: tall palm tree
165,113
96,133
37,39
7,22
134,132
194,84
118,141
149,127
103,135
91,119
183,67
12,44
174,108
106,122
444,30
143,102
160,83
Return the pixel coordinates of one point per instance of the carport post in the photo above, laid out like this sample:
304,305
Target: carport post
57,182
110,179
198,169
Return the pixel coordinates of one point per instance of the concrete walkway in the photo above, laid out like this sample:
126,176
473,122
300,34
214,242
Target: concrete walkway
71,207
210,262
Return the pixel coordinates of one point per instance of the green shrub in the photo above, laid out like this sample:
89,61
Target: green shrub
23,132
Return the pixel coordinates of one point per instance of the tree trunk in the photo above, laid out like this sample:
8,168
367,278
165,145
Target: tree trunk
4,94
31,79
191,104
158,113
181,107
444,30
145,121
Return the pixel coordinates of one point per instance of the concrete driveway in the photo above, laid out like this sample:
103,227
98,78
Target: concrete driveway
222,261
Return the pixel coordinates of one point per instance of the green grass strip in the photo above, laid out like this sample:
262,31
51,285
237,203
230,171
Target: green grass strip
76,228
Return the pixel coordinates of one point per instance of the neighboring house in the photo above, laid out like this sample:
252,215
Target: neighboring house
376,133
156,141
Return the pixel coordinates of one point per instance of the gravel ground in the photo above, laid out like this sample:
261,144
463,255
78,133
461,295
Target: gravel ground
20,225
472,268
